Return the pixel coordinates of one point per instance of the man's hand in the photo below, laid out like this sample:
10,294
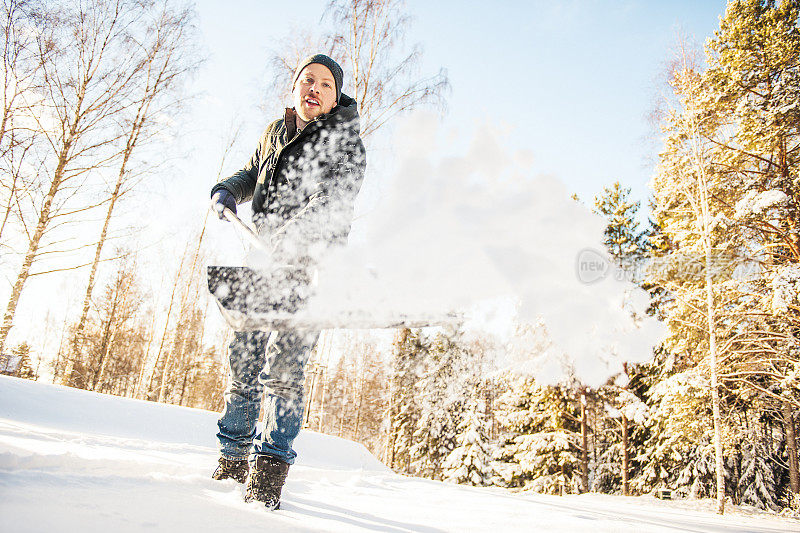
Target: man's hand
222,199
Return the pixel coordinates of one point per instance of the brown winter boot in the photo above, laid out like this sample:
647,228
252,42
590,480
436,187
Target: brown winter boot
266,481
235,469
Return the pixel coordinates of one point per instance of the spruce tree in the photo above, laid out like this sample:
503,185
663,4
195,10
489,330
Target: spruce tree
470,461
678,452
21,359
440,396
623,239
541,447
409,351
756,485
628,246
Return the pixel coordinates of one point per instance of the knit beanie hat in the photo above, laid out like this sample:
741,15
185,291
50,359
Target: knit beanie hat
333,66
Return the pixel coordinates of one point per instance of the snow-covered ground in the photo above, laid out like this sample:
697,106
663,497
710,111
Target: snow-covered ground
73,460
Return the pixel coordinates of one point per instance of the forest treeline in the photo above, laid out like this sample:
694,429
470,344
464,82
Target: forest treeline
89,88
715,413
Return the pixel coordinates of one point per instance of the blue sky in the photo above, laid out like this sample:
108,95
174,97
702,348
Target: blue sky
572,82
586,74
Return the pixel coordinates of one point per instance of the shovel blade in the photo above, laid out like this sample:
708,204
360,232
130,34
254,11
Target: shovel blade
257,300
247,291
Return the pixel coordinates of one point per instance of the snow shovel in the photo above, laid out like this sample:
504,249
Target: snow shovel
243,293
252,299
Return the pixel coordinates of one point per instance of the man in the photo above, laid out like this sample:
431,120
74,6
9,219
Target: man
303,179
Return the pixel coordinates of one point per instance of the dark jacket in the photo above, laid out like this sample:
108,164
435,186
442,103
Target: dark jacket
303,185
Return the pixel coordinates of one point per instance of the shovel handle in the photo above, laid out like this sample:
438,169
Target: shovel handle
246,231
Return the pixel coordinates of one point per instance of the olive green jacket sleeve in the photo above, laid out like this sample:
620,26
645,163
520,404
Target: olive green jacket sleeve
242,183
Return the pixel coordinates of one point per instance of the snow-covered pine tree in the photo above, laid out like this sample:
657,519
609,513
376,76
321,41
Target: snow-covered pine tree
441,394
641,382
678,454
622,411
756,484
754,79
656,245
627,245
606,469
541,449
409,351
470,461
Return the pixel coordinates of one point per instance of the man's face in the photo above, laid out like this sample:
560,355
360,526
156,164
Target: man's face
314,92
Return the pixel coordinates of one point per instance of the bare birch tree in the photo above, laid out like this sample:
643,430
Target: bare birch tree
121,306
22,66
686,162
87,73
165,50
158,367
190,288
382,68
368,40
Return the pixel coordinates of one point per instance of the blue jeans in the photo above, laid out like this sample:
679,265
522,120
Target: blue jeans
262,360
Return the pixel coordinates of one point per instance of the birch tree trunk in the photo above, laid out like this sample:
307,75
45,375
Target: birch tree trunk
151,394
137,389
717,418
33,245
791,448
313,369
323,394
360,399
625,457
324,348
79,330
108,335
60,352
711,323
585,445
187,289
